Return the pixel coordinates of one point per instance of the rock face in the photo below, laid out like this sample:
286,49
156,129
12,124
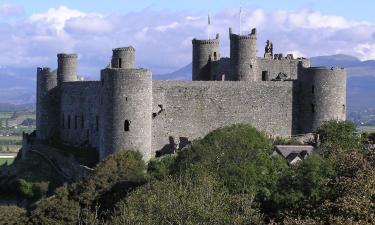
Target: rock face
126,109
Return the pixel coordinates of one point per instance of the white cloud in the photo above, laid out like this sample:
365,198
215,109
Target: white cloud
163,39
193,18
164,28
56,18
366,50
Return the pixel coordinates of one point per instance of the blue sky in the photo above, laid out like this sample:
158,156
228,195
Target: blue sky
32,32
358,10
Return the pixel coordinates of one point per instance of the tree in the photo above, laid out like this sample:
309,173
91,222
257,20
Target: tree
193,197
13,215
338,135
240,156
57,209
111,180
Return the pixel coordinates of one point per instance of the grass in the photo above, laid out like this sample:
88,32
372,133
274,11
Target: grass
6,115
10,148
4,160
10,138
369,129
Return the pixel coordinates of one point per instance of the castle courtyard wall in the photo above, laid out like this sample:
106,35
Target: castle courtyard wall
80,100
185,110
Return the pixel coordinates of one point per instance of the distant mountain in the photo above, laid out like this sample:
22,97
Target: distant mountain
181,74
18,85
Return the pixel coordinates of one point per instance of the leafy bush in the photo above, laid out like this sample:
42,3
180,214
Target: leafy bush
112,179
193,197
160,168
239,155
40,189
338,135
25,188
57,209
13,215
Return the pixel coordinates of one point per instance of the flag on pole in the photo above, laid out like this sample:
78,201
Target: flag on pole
240,20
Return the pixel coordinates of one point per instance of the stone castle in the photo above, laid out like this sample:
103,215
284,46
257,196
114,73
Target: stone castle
126,109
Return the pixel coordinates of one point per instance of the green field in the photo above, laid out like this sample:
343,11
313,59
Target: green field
369,129
3,160
10,143
5,115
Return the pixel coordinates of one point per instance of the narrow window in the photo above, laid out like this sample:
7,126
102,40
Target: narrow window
264,75
126,125
75,122
102,81
63,121
343,108
68,121
82,122
97,123
126,99
312,89
119,63
312,108
215,56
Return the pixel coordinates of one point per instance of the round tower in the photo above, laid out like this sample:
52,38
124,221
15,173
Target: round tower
123,58
323,96
66,68
126,112
46,114
204,51
243,59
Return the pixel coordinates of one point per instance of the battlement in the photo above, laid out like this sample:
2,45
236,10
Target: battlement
202,42
322,68
66,55
242,37
126,49
44,70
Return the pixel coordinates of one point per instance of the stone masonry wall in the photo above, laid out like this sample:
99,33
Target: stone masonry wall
185,110
80,102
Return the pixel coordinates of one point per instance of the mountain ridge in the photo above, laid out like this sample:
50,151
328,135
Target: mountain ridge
17,85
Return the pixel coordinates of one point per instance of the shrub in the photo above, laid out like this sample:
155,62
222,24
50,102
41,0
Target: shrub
338,135
114,176
12,215
160,168
25,188
57,209
240,155
189,198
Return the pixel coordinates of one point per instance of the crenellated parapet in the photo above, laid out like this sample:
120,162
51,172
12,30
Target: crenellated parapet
323,96
243,59
123,57
204,52
46,107
66,68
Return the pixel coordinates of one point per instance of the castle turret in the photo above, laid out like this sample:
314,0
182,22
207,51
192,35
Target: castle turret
126,112
46,104
243,59
322,96
204,52
123,57
66,68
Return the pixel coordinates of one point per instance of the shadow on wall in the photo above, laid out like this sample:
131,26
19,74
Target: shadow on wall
173,146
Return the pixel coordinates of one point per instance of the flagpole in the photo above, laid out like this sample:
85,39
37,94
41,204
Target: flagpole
240,20
208,26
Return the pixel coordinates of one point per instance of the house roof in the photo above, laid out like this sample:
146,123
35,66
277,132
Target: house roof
286,150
